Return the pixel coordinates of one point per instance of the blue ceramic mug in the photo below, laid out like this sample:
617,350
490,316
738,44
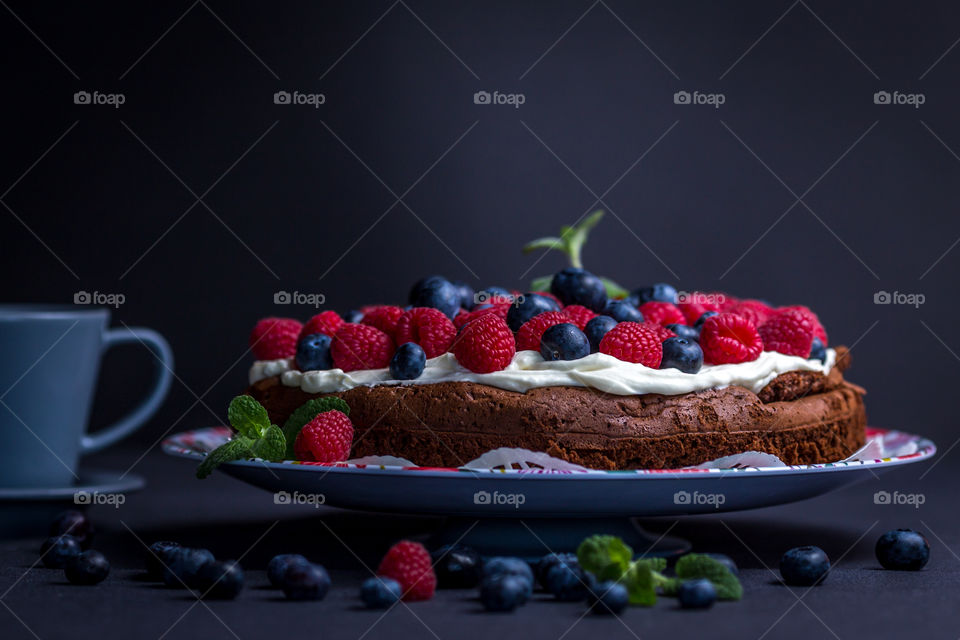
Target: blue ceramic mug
49,360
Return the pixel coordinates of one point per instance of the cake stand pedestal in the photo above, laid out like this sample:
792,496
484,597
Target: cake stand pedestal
532,538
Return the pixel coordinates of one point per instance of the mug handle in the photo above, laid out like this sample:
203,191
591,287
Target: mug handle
163,375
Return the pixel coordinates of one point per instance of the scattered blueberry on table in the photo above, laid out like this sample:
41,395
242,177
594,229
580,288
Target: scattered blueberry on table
504,592
903,550
305,582
280,564
87,568
608,597
568,582
696,594
220,580
58,550
804,566
74,523
378,592
183,570
457,567
159,556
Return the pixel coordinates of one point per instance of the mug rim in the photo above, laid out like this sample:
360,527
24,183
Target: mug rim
47,311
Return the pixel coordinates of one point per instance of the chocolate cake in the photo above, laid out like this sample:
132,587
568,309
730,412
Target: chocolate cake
800,416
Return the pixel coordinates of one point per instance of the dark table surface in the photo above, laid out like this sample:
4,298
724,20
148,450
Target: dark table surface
236,521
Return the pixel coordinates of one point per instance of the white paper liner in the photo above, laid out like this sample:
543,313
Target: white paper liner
507,458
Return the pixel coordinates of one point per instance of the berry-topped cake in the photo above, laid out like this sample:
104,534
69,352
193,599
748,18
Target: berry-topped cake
579,369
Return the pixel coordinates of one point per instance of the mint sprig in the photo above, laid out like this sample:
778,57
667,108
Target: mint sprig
256,437
570,243
609,558
307,412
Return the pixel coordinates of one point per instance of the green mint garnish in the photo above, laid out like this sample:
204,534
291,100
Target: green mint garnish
248,416
255,437
570,243
696,565
307,412
236,449
272,446
608,558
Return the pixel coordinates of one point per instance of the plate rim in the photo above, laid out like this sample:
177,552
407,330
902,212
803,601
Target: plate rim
926,449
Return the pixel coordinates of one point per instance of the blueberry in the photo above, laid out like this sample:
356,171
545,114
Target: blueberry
353,316
660,292
683,354
546,563
465,293
804,566
184,567
726,561
313,353
527,306
685,331
568,582
596,329
504,592
501,566
279,565
220,580
903,550
622,311
608,598
408,361
438,293
564,342
306,582
703,318
457,566
379,593
577,286
58,550
696,594
76,524
89,567
160,555
817,350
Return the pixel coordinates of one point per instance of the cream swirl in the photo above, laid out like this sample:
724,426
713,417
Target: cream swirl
529,370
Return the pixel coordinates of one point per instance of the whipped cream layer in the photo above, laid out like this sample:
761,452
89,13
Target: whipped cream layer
529,370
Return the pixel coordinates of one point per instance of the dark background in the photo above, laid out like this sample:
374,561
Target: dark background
303,199
300,211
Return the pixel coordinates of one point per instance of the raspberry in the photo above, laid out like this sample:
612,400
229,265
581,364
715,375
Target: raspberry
633,342
728,338
695,304
409,564
662,313
275,338
790,332
725,301
529,335
753,310
818,330
579,315
547,294
429,328
485,344
359,346
326,323
662,332
326,438
383,318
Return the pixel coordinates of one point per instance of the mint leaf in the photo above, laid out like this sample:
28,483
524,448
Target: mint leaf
307,412
549,242
695,565
606,557
272,446
641,584
541,284
248,416
236,449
